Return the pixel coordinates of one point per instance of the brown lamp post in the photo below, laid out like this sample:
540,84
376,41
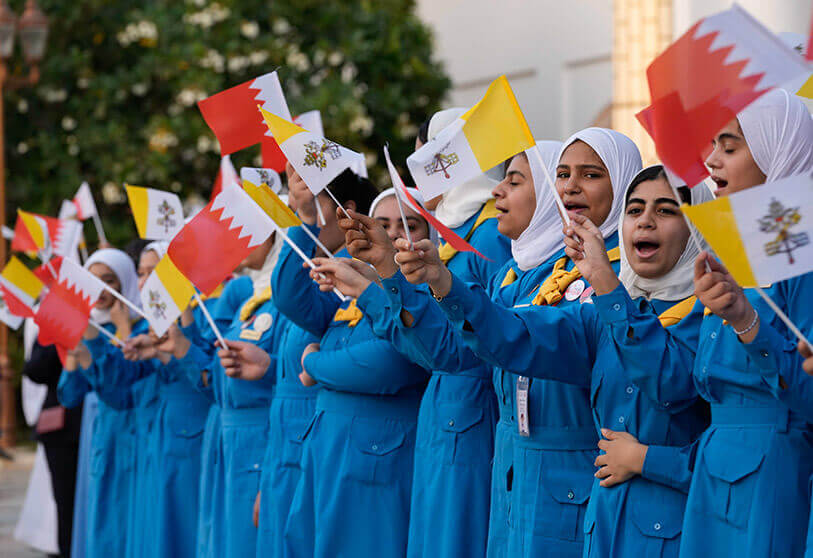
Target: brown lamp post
33,30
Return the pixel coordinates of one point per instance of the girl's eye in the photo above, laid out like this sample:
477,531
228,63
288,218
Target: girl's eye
633,211
667,211
592,175
729,151
562,174
514,183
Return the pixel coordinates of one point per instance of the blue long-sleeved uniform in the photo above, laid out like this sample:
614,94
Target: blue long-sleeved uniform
243,419
290,413
353,496
613,347
454,444
549,473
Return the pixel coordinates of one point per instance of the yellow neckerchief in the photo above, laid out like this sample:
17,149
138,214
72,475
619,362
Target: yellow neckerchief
256,300
674,314
446,252
215,294
509,278
351,314
553,288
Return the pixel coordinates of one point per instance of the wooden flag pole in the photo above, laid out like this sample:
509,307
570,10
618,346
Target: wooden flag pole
209,319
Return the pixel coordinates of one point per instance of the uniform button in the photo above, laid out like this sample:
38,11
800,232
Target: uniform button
375,447
666,404
394,289
454,306
714,335
451,422
704,371
621,420
657,526
256,465
630,389
183,431
764,354
616,307
570,495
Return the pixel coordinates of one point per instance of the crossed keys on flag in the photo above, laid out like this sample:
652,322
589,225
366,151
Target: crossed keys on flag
778,220
315,154
165,219
157,306
441,163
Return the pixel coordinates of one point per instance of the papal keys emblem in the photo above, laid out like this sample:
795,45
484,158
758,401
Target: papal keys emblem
441,163
315,154
165,213
779,220
157,306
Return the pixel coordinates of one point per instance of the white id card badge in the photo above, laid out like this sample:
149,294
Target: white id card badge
523,385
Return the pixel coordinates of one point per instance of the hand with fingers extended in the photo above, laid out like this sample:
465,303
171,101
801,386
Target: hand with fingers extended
719,292
173,343
367,241
301,196
350,276
584,244
422,264
304,377
623,457
140,347
807,353
244,360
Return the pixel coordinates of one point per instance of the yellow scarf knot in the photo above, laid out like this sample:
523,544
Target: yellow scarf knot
674,314
554,287
257,300
351,314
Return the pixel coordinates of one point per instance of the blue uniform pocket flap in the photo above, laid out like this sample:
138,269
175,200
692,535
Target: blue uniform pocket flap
375,441
566,486
454,418
730,462
656,510
185,423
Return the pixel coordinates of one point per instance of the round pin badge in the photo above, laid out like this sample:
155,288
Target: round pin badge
574,290
262,322
587,296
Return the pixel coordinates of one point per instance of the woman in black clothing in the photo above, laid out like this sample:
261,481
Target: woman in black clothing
58,431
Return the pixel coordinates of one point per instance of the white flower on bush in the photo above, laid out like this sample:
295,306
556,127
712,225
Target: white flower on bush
349,71
162,140
204,144
362,124
174,109
68,123
359,90
281,26
335,58
258,57
143,32
250,29
175,186
370,159
189,96
140,89
53,95
22,148
112,194
22,106
298,60
237,63
207,17
213,60
83,83
73,150
319,57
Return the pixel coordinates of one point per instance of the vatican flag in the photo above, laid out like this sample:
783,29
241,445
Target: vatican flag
763,234
483,137
165,295
272,204
158,215
315,158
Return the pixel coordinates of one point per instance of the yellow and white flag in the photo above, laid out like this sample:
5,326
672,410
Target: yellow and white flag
763,234
271,204
258,176
19,290
37,229
483,137
315,158
158,215
165,295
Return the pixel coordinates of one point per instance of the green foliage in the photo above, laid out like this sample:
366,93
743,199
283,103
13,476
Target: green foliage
116,100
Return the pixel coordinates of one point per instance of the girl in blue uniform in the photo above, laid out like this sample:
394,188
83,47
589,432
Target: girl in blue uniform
552,434
750,486
112,451
353,496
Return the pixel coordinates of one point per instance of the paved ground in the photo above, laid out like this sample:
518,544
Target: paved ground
13,482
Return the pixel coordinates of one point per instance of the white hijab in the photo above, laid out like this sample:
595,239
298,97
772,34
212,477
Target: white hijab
160,247
779,131
261,278
543,236
623,161
676,284
122,265
415,193
463,201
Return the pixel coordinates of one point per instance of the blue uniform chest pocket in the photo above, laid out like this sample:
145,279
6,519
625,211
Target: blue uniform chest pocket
458,426
732,460
374,455
656,510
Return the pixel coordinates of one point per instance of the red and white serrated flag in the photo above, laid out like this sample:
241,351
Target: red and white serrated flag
64,312
697,85
232,114
83,200
38,234
209,248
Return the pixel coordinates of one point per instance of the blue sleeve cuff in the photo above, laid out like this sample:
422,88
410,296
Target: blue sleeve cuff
454,303
666,465
373,301
768,349
613,307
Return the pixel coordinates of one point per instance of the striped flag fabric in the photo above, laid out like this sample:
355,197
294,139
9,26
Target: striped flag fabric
258,176
487,134
158,214
165,295
271,204
37,234
315,158
763,234
83,201
20,289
